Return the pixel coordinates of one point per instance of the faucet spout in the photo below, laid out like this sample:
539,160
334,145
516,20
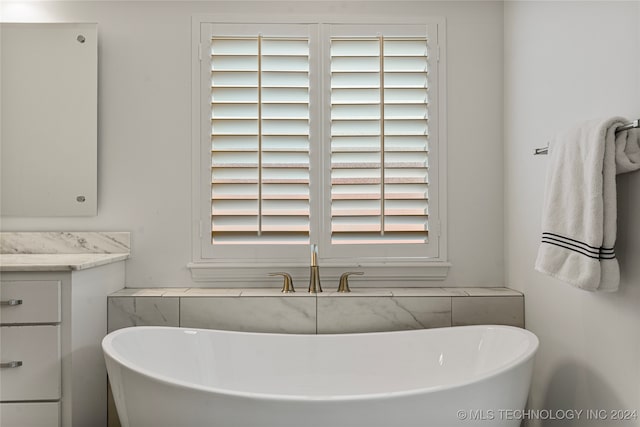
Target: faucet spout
314,255
314,271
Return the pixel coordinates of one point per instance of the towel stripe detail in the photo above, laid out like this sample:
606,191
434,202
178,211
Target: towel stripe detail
578,246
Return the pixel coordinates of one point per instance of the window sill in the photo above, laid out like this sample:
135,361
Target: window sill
375,275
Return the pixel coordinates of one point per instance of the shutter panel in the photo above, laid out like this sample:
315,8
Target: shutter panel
379,140
260,140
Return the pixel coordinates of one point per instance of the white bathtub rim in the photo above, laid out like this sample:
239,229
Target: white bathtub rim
524,358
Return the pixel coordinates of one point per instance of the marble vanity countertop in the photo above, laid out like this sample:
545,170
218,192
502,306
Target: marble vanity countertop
61,250
56,262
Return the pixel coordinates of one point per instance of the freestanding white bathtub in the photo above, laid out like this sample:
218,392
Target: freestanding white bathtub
459,376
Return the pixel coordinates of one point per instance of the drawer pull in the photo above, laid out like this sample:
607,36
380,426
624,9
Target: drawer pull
12,364
11,302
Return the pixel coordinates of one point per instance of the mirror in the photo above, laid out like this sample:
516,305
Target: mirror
48,119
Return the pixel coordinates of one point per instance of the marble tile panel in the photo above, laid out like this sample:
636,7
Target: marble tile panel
366,314
426,292
210,292
274,292
491,292
57,242
124,312
138,292
253,314
477,310
455,292
174,292
150,292
358,292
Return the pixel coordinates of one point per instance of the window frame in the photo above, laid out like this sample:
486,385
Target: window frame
388,269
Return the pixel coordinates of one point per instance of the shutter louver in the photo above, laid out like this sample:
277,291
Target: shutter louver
379,140
260,140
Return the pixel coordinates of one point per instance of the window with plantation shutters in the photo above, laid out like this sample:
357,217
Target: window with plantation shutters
259,139
319,133
379,140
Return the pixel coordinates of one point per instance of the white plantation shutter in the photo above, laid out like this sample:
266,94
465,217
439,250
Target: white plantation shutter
319,133
260,133
379,140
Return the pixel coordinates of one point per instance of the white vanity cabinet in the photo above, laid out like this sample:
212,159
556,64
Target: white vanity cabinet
51,327
30,382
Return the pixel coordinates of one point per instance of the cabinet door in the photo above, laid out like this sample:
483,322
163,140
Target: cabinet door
40,414
30,357
30,302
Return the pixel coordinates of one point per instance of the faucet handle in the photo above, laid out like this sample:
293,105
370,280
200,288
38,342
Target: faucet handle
287,284
344,280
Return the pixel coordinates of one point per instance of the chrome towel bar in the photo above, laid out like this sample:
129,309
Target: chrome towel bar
12,364
632,125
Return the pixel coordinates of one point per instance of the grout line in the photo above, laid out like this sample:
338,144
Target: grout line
451,304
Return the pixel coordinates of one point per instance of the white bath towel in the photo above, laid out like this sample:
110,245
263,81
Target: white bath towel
579,210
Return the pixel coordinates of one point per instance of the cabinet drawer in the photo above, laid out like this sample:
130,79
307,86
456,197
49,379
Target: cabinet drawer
40,414
30,302
38,350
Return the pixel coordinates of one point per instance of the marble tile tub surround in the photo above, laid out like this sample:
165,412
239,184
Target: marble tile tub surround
65,242
142,311
268,310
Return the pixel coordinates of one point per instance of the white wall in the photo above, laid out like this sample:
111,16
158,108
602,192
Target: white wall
564,62
144,126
